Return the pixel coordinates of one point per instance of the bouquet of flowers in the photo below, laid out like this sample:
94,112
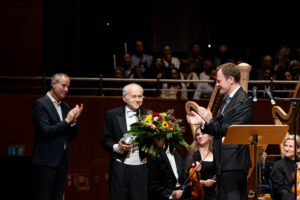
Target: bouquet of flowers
154,130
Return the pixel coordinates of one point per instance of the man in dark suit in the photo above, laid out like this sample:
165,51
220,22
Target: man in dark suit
128,166
234,160
164,172
54,124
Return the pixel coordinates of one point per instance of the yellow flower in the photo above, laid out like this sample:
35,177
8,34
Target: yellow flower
147,121
163,115
148,117
164,124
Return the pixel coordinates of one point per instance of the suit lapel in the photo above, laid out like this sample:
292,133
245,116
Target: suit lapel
166,160
233,100
121,118
178,163
52,107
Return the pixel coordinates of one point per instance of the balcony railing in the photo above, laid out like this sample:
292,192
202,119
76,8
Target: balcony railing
101,86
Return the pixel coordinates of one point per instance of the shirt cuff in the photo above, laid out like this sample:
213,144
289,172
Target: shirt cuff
73,124
116,149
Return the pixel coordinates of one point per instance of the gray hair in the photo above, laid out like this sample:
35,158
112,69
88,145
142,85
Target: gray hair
56,78
125,88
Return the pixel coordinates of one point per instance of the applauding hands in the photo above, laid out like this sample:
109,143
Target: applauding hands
74,114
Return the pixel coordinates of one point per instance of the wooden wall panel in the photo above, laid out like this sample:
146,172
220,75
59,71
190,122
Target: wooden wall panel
21,37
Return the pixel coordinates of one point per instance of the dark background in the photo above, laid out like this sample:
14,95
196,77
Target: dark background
40,36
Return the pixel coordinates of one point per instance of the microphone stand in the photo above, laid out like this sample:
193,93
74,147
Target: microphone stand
294,101
219,144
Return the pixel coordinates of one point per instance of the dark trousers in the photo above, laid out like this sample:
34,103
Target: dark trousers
128,182
51,181
233,185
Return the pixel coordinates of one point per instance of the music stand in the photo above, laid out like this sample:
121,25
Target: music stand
257,135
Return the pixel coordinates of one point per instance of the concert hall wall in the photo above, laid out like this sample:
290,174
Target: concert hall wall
88,172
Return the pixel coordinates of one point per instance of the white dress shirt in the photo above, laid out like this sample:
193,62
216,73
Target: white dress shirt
133,156
58,109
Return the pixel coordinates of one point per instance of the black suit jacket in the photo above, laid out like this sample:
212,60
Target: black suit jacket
114,129
50,133
233,157
162,181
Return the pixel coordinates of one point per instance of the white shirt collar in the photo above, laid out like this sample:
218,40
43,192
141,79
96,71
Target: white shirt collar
234,91
52,99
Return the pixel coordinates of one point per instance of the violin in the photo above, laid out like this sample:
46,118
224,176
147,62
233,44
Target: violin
197,192
298,182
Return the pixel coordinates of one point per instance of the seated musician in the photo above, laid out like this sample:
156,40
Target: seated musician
163,175
202,151
283,172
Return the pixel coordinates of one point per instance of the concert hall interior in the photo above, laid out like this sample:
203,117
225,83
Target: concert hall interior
89,41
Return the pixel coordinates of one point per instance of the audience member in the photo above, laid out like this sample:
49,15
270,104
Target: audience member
131,70
294,68
208,65
116,86
141,59
204,90
174,90
187,72
168,58
288,77
283,57
196,57
222,56
266,62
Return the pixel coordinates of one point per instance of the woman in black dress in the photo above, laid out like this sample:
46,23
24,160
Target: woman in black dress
283,171
202,152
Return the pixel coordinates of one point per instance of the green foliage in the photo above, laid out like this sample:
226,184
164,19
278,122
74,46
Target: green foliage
154,127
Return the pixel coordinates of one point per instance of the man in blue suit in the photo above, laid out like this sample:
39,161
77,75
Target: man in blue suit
55,125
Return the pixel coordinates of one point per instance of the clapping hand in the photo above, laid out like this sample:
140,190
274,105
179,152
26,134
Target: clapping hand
194,119
74,114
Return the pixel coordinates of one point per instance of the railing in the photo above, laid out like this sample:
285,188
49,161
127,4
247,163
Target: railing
98,86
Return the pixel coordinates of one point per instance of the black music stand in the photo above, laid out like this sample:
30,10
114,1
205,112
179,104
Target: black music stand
257,135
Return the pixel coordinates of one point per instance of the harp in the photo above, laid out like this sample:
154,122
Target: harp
216,98
281,117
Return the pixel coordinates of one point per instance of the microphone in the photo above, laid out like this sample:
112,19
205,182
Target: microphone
254,92
264,158
269,94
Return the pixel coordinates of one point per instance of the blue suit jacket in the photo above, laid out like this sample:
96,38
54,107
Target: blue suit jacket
51,134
